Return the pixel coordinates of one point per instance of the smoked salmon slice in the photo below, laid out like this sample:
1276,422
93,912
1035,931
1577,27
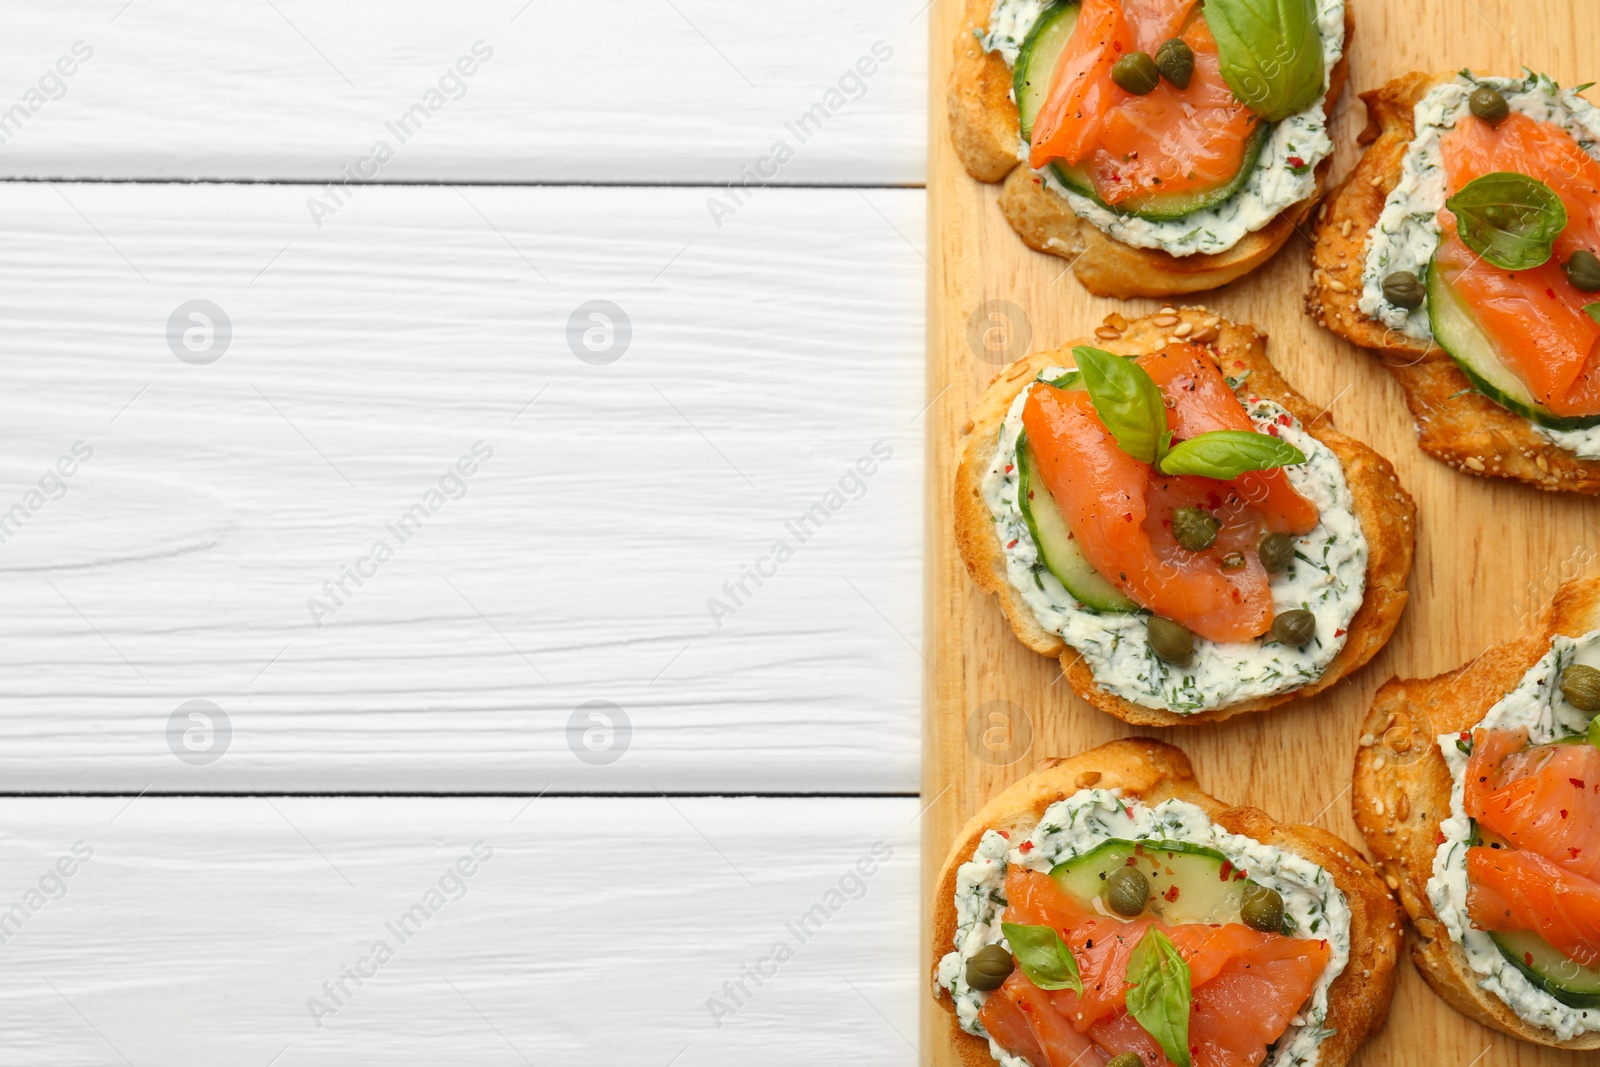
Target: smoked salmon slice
1168,141
1247,985
1020,1016
1521,890
1544,799
1120,510
1536,316
1237,1013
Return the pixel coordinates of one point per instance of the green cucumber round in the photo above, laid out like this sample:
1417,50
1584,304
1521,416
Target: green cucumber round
1058,550
1188,883
1464,339
1550,969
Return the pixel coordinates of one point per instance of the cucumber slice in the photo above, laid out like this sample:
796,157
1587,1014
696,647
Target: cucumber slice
1188,883
1038,59
1057,549
1460,334
1550,969
1163,207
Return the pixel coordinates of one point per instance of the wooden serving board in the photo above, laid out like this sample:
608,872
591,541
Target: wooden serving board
1489,553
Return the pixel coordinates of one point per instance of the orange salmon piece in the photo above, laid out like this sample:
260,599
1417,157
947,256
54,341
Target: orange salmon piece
1167,141
1535,316
1021,1017
1544,799
1120,510
1521,890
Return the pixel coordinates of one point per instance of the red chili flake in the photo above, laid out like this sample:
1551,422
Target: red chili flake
1563,813
1577,782
1117,45
1038,181
1025,1006
1171,894
1575,851
1283,420
1013,543
1128,517
1551,293
1227,869
1004,835
1339,632
1010,467
1296,161
1527,957
1025,847
1438,837
1272,429
1239,876
1465,736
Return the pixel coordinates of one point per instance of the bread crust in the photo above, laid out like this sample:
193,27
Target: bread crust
984,130
1385,510
1455,423
1402,790
1153,771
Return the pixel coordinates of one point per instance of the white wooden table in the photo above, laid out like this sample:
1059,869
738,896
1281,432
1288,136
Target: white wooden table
462,596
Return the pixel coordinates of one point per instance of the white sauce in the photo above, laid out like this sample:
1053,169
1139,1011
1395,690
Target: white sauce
1312,903
1407,232
1536,703
1328,578
1273,186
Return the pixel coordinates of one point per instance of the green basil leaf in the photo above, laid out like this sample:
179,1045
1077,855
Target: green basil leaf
1592,310
1509,219
1159,999
1271,53
1226,454
1043,956
1127,401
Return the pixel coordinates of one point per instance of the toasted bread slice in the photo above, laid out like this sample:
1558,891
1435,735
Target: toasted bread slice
1152,771
984,128
1385,510
1402,793
1455,423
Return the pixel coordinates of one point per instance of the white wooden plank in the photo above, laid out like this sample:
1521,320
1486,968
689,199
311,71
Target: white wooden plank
198,931
625,91
768,358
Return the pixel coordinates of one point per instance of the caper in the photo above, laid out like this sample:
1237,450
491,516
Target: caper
1170,641
1194,529
1488,105
1127,890
1404,290
1276,551
1136,72
1175,60
1580,684
989,967
1125,1059
1295,627
1262,909
1233,561
1583,271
